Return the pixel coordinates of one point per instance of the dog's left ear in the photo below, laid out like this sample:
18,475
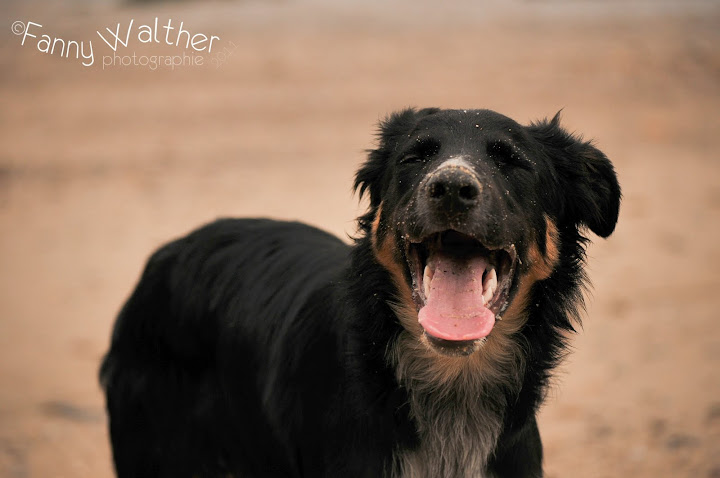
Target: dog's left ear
591,189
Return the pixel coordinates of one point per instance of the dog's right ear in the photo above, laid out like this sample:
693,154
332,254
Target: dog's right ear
590,185
371,177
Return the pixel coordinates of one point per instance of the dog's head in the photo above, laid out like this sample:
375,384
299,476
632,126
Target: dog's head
467,212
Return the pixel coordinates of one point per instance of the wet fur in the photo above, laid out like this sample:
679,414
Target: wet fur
258,348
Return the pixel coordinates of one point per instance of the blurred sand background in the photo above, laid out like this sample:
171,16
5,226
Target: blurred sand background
99,167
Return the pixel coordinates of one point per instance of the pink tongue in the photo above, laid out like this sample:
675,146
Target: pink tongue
454,309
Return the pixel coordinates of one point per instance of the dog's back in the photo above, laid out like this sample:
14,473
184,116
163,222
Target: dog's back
211,340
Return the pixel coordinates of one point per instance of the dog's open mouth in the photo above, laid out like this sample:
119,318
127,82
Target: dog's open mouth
460,286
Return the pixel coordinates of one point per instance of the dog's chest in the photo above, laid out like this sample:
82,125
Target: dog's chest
453,444
421,464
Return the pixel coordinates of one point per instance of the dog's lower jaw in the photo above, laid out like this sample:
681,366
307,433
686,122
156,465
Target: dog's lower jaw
453,348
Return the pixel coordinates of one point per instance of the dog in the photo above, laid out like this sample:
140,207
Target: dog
261,348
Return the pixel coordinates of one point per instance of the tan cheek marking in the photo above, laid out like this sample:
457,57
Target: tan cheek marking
541,267
375,226
552,243
386,254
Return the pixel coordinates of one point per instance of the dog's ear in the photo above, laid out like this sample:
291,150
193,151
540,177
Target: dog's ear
590,186
371,177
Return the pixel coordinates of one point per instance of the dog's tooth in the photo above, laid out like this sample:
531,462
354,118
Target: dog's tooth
490,284
493,276
426,281
490,278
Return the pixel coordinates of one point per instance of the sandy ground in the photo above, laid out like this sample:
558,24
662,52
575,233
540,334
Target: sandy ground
98,167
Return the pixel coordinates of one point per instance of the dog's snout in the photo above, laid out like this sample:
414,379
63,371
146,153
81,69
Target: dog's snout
454,190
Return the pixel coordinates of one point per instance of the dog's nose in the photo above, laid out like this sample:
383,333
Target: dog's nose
453,190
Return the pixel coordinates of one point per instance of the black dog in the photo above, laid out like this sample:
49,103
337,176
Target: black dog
256,348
